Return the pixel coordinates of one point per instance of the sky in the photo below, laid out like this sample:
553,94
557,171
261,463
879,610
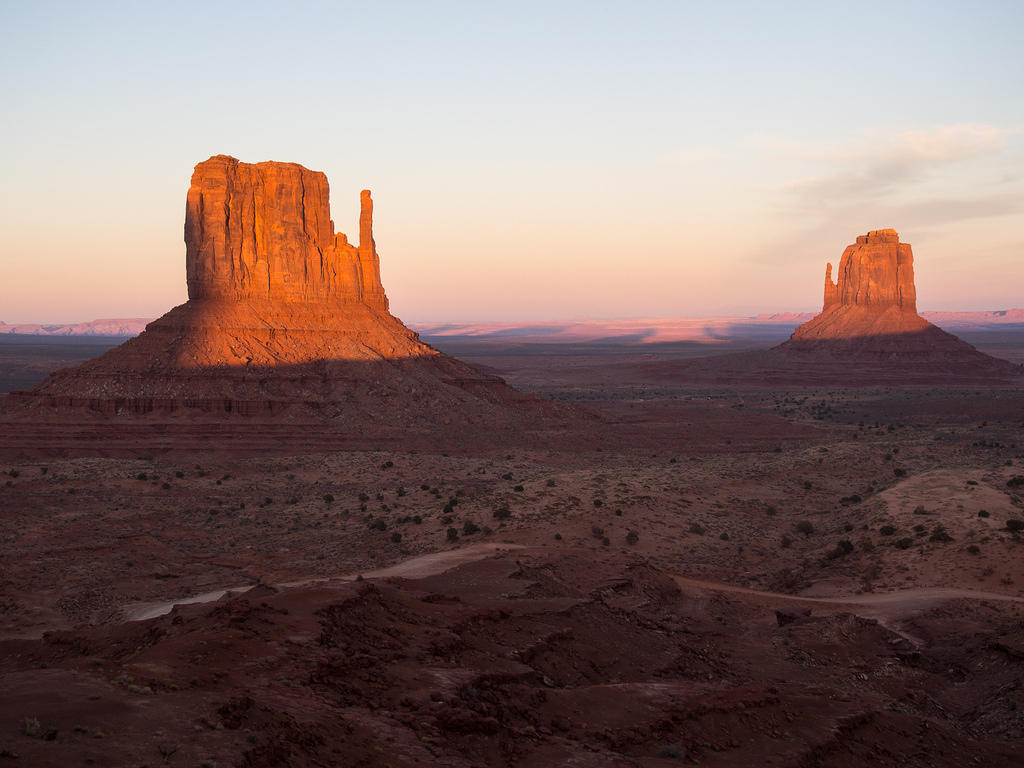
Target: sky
528,161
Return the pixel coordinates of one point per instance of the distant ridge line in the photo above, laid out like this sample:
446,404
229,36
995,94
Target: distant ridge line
660,329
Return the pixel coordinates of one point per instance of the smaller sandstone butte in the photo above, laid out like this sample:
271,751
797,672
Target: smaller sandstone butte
285,320
869,317
868,332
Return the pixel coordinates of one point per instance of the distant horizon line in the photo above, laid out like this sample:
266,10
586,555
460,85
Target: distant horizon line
540,321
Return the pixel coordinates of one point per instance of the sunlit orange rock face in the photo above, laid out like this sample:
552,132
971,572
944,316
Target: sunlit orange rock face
282,311
264,231
874,294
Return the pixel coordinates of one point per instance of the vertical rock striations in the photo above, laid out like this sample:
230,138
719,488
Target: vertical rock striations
876,271
264,232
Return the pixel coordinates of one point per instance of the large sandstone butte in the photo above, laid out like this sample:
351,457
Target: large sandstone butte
284,317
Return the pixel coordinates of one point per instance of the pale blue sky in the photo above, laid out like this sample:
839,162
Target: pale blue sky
528,160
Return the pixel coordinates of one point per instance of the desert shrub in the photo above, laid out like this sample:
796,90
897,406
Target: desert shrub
363,498
1015,482
550,483
328,498
606,541
469,528
165,486
852,499
597,530
632,537
417,519
30,726
518,489
387,465
974,549
887,530
805,527
507,476
396,536
502,513
899,471
400,491
919,528
424,487
940,534
558,537
905,543
179,474
142,476
452,534
843,548
697,528
1014,525
982,513
378,525
723,536
785,541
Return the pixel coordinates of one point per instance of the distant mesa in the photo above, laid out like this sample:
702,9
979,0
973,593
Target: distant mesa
283,314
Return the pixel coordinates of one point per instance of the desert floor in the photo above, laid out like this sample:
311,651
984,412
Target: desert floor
732,576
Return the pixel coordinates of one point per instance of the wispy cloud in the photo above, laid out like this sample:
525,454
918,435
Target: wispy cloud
886,164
